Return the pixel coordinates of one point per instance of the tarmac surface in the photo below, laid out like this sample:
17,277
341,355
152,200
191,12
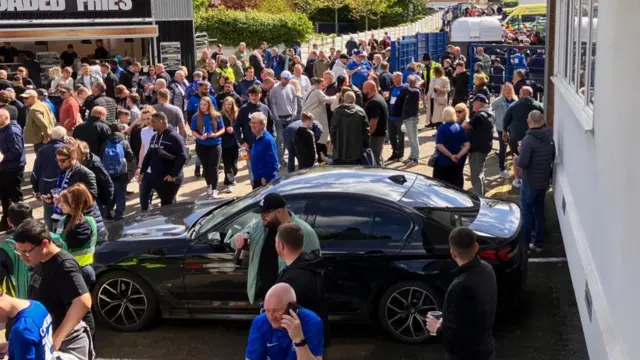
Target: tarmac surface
545,325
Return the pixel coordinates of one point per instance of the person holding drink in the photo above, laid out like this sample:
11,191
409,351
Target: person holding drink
466,321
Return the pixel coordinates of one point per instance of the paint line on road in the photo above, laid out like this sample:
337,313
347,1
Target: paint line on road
548,260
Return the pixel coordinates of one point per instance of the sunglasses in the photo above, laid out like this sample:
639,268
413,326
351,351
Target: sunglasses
459,111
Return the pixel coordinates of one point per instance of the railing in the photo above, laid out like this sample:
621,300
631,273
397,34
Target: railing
431,23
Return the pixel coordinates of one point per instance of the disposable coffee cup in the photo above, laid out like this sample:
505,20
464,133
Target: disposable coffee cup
436,315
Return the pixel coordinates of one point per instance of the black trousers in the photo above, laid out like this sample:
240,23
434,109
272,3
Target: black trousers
167,190
256,183
10,189
451,174
210,159
230,162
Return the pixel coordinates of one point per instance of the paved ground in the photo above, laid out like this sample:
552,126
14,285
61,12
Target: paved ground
545,327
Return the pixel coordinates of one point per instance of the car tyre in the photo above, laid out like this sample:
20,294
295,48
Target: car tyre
403,308
124,301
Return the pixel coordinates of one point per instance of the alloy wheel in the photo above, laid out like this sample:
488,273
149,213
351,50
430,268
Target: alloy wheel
122,302
406,311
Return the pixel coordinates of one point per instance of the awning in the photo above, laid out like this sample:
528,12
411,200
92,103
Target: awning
78,33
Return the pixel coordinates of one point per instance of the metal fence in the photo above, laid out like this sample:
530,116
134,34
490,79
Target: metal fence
411,48
499,74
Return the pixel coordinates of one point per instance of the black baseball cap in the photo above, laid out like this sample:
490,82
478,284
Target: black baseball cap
481,98
270,202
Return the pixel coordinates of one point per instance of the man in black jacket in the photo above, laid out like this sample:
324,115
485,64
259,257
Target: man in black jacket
94,131
110,80
130,77
99,98
303,272
103,180
469,310
166,158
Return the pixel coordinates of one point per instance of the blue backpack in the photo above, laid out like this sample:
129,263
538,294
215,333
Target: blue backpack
113,158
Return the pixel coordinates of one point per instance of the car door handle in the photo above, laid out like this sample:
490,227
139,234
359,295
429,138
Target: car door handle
374,253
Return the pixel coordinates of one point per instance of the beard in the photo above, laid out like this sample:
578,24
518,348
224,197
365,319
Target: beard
272,224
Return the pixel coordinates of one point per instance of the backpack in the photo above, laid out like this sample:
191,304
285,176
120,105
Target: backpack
368,159
113,158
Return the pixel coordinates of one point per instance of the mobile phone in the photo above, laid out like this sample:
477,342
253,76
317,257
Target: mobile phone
291,306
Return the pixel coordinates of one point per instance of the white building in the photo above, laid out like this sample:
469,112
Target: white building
597,177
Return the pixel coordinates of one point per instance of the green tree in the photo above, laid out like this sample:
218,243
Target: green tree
368,9
308,7
335,5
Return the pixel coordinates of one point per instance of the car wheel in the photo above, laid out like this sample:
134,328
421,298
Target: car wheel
124,301
403,309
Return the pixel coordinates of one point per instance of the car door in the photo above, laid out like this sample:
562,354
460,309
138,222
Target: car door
214,282
359,239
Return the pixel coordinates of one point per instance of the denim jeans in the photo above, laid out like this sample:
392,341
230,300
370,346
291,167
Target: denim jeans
249,170
412,133
119,200
502,152
146,192
476,168
532,207
291,149
396,137
280,126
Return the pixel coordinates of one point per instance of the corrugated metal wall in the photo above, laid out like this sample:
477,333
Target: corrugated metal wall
172,9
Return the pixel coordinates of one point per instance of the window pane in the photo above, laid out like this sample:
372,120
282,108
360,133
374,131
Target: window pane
575,40
297,207
389,225
592,66
342,221
584,46
567,39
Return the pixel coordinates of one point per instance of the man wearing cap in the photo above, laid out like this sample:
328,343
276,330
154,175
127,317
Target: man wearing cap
40,120
480,132
259,238
358,69
283,105
70,109
43,96
11,165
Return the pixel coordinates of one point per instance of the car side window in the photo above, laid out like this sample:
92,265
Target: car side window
390,225
296,206
338,220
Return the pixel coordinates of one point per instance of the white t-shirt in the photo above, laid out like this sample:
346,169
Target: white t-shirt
145,136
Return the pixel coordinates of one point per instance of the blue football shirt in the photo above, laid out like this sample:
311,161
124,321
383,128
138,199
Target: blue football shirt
31,334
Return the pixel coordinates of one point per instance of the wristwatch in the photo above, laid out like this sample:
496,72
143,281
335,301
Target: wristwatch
302,343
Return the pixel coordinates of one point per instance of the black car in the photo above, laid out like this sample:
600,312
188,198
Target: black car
383,234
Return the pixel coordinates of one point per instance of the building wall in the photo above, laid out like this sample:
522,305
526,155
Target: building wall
596,183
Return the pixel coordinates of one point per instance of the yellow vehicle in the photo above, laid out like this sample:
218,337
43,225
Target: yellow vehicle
525,15
509,5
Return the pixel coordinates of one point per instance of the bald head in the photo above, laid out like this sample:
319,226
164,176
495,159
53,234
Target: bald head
3,74
369,88
99,112
536,119
280,294
5,118
349,98
526,91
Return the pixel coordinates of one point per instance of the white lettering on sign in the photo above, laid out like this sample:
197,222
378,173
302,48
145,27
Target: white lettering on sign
104,5
61,5
32,5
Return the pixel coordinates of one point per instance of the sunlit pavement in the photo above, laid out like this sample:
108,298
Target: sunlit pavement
545,326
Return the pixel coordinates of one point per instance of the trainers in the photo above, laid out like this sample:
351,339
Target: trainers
412,163
215,194
209,190
505,174
535,248
516,183
197,172
228,189
392,158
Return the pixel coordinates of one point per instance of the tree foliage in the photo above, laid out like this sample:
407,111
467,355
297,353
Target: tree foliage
276,7
240,4
308,7
231,27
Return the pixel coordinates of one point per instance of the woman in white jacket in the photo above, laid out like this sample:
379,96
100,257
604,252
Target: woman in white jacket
315,102
438,90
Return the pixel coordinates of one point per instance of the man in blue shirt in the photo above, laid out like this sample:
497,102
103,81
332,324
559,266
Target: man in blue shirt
31,334
285,331
396,136
358,69
264,154
519,61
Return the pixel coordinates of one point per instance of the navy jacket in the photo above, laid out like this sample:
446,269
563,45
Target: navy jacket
12,147
166,156
243,86
290,130
44,176
264,158
242,129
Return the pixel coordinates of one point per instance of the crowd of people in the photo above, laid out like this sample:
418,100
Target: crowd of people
118,122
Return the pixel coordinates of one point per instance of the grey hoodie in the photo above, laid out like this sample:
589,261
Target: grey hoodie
349,132
537,153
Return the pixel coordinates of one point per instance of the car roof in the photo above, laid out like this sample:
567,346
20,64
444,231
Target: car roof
387,184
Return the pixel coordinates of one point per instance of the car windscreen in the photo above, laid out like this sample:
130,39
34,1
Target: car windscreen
428,193
220,214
